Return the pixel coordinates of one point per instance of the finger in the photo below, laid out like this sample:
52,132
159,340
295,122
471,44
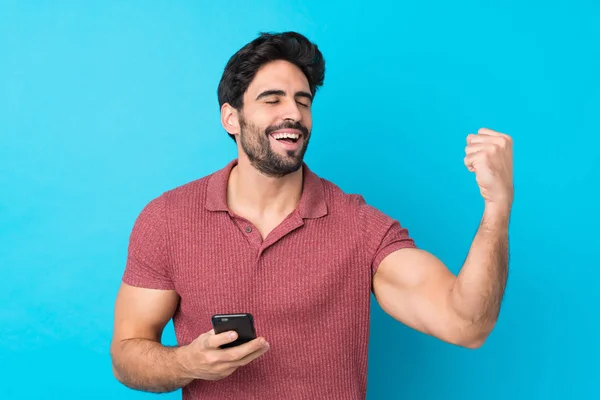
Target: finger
250,357
214,341
490,132
482,138
471,159
475,147
239,352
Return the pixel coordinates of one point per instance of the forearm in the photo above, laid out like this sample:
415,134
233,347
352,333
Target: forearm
149,366
479,287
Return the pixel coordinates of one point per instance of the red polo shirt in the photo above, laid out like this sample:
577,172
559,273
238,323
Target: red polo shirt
307,284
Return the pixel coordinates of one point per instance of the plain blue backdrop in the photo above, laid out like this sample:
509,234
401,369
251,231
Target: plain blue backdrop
105,105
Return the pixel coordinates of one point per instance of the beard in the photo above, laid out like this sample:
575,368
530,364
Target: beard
257,146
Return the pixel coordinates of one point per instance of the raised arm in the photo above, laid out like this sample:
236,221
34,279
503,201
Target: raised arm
416,288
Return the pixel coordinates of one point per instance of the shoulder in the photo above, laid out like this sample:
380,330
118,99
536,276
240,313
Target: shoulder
380,233
187,192
339,199
177,199
351,204
370,220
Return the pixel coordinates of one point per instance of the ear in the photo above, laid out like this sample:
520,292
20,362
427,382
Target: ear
229,119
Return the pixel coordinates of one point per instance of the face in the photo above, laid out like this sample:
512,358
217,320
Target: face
276,121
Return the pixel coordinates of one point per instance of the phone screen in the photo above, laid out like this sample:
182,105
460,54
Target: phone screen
243,324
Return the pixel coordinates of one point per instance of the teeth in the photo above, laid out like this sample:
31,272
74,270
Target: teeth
286,136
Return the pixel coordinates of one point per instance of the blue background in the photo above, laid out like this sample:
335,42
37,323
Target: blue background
103,106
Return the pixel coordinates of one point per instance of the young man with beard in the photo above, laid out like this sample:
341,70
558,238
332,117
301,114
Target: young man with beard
266,236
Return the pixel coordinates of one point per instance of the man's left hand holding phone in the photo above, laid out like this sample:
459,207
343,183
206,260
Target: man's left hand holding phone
216,354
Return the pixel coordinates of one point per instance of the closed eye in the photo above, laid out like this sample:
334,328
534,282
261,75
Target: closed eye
277,101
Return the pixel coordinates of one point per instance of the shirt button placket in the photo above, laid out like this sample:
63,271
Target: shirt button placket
252,237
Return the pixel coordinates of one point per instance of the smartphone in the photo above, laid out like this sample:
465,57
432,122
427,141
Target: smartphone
243,324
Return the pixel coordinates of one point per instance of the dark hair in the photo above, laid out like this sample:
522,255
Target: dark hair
243,65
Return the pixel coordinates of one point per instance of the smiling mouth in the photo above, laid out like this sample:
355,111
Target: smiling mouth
286,137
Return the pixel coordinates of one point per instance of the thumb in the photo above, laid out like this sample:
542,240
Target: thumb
214,341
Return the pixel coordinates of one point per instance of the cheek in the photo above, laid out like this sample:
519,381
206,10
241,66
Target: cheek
257,120
264,118
307,119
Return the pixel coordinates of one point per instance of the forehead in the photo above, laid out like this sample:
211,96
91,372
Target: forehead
281,75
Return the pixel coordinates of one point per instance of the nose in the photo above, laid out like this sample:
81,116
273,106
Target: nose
292,111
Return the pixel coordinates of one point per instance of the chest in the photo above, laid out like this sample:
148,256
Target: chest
308,270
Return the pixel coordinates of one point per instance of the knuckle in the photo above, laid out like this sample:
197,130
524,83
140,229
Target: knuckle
211,360
505,140
231,356
222,369
204,340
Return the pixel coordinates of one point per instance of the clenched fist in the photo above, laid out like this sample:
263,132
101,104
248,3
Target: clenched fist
489,154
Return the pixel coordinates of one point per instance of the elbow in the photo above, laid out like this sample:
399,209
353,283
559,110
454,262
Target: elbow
116,374
114,348
472,343
470,330
473,337
121,378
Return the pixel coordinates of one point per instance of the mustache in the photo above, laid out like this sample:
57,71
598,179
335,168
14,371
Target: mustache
287,125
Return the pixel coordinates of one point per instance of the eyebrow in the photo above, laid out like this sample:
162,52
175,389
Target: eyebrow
267,93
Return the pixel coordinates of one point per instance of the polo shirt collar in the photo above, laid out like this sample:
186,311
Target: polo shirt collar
312,203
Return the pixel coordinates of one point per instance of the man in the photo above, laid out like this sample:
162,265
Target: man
266,236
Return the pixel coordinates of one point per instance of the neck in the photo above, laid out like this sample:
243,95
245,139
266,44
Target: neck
250,193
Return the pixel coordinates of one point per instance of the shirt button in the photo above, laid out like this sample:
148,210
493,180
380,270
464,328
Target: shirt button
248,229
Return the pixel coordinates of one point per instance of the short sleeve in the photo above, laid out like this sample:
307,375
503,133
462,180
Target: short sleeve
147,260
382,234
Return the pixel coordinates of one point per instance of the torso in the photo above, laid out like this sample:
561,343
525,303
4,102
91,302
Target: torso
305,278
